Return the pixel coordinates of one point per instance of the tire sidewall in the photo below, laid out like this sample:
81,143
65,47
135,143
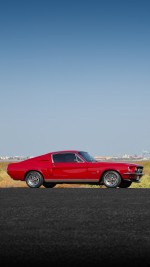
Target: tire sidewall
34,173
117,182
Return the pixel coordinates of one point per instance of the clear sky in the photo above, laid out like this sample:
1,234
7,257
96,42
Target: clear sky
74,75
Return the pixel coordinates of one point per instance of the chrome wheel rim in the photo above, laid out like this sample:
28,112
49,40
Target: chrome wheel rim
33,179
111,179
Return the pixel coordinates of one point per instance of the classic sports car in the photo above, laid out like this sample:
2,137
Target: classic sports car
73,167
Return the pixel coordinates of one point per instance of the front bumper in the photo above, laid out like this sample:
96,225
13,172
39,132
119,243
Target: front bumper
133,177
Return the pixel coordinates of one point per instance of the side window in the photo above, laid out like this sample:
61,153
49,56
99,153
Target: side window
70,157
58,158
64,157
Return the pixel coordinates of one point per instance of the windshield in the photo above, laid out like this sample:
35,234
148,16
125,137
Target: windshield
87,156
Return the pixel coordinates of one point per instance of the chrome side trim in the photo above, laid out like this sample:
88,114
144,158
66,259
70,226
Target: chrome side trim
72,180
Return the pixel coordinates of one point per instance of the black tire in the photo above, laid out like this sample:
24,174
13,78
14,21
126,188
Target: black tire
48,184
111,179
34,179
125,184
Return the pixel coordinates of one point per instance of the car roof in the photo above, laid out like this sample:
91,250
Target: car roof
65,151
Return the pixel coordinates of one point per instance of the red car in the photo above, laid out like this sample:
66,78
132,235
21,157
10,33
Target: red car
73,167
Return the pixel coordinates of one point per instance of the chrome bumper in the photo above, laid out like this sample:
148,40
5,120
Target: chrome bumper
134,173
134,177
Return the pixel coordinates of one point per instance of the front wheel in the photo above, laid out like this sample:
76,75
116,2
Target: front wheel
48,184
111,179
34,179
125,184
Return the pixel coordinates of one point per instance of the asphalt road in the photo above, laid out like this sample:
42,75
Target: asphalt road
71,226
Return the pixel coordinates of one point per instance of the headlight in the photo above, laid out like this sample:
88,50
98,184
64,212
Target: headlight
132,168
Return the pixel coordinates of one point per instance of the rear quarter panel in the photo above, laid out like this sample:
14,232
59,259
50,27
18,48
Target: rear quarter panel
18,171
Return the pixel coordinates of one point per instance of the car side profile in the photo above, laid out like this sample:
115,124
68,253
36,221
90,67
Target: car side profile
73,166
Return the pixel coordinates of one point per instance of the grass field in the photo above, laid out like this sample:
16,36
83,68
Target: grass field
145,180
6,181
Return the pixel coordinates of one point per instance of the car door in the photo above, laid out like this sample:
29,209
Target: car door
68,167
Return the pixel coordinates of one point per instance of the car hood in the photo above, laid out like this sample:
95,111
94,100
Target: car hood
115,164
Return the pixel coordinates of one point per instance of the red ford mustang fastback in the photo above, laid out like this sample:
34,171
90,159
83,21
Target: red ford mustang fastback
73,167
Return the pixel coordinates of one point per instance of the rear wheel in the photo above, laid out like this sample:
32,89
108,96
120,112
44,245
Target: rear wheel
34,179
125,184
111,179
48,184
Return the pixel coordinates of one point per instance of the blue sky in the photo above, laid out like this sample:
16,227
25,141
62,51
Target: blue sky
74,75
